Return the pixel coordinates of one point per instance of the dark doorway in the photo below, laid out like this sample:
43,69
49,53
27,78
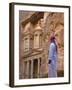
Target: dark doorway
35,68
25,69
29,69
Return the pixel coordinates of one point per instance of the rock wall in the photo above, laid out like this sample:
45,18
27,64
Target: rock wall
54,24
51,23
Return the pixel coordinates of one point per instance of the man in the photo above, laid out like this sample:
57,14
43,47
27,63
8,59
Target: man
53,56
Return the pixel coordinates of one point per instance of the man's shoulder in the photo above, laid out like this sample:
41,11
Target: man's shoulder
52,44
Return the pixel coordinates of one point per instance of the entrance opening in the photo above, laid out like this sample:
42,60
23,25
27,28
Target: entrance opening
25,70
35,68
29,69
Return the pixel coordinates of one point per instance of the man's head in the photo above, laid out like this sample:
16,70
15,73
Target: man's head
52,39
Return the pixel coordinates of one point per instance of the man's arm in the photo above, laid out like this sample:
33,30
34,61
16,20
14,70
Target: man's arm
51,51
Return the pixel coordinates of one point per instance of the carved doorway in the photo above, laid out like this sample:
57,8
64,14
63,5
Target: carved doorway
35,68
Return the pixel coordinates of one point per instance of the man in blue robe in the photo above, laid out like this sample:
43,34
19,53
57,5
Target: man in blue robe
53,56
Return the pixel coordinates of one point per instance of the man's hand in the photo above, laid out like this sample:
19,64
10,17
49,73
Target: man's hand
49,62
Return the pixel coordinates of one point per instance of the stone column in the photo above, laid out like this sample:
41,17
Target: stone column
38,68
31,68
27,69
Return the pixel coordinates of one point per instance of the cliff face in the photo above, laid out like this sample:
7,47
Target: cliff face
23,15
51,23
54,24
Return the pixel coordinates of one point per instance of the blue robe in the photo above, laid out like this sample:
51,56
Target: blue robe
53,57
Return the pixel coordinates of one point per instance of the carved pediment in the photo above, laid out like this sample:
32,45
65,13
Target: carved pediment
33,52
28,27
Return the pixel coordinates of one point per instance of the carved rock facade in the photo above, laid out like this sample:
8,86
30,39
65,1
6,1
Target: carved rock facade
35,32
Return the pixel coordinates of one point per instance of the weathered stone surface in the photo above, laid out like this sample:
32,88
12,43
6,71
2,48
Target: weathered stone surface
39,33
